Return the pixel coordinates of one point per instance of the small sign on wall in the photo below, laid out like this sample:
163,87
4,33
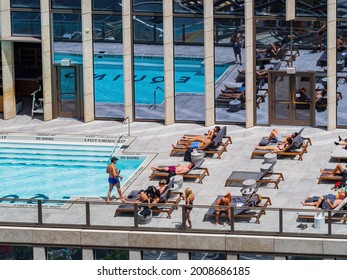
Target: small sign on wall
65,62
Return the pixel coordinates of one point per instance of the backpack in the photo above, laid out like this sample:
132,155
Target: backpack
340,184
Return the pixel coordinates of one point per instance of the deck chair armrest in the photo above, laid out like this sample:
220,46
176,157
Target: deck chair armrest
267,201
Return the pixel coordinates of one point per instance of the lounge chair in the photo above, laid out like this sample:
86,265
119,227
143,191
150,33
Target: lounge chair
339,153
327,177
167,202
236,178
218,145
257,202
334,215
197,173
293,150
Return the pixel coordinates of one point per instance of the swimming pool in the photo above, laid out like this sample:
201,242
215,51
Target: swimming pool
58,171
149,74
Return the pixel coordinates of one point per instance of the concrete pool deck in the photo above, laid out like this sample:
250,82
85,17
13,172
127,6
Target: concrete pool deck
154,138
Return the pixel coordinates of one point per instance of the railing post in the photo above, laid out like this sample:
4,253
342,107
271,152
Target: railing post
329,223
184,218
280,220
232,220
39,212
87,214
136,216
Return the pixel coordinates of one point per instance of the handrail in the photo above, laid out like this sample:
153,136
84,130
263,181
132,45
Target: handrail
127,118
155,96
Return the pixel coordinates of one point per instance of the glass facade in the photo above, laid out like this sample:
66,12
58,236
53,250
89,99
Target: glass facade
227,7
59,253
341,74
8,252
26,24
159,255
107,5
111,254
154,6
32,4
66,4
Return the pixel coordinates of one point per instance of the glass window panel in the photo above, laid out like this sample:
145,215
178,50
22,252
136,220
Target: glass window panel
108,66
111,254
59,253
26,24
189,69
67,27
107,5
269,8
34,4
159,255
207,256
304,258
341,74
309,8
226,70
255,257
66,4
188,7
227,7
341,8
148,67
8,252
153,6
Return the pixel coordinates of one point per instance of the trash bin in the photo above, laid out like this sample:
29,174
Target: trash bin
270,158
178,180
142,218
234,105
319,220
197,155
266,167
248,186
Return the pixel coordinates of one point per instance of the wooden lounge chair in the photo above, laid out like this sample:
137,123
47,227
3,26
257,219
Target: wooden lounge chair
196,173
167,203
339,153
236,178
218,145
335,214
257,202
327,177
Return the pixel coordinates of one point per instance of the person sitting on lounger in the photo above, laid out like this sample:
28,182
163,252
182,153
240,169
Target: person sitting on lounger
327,201
143,197
201,138
276,135
178,169
338,170
319,94
224,201
341,142
276,148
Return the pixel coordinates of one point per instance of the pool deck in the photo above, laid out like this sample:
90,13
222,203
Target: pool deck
156,139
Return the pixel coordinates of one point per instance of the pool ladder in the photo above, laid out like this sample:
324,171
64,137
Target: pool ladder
155,97
120,135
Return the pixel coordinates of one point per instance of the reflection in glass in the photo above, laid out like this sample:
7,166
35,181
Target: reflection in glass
188,7
67,27
67,87
341,8
26,24
154,6
269,8
66,4
255,257
229,7
110,254
304,258
108,66
33,4
148,67
159,255
56,253
341,77
309,8
189,68
229,79
207,256
107,5
8,252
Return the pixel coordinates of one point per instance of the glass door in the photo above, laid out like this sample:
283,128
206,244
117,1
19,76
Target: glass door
291,98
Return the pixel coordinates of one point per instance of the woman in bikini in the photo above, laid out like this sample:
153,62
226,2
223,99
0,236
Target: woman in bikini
210,133
276,148
189,199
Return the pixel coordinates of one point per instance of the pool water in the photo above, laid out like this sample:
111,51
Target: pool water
56,171
148,76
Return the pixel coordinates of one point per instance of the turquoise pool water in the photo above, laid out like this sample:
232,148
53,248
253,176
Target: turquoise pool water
56,171
148,76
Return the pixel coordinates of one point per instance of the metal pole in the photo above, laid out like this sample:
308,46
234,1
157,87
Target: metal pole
87,214
280,220
39,212
155,99
291,43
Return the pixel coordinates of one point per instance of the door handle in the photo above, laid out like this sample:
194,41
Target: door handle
284,102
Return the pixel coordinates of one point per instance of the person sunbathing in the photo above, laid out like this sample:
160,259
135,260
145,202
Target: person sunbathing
143,197
319,93
177,169
338,170
228,89
210,133
276,148
224,201
200,145
327,201
277,136
341,142
231,95
261,72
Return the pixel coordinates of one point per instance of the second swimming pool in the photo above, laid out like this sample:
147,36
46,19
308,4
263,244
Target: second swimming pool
58,171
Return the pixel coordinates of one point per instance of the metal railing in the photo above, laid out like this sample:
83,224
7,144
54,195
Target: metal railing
273,221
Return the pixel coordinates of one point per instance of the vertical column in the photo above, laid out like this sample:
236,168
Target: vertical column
209,62
39,252
135,255
169,62
250,62
8,75
47,54
331,41
88,71
87,254
128,60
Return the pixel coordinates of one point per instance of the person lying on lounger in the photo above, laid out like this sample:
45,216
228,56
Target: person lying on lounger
224,201
210,133
178,169
276,148
143,197
341,141
277,136
327,201
338,170
200,145
260,72
238,90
